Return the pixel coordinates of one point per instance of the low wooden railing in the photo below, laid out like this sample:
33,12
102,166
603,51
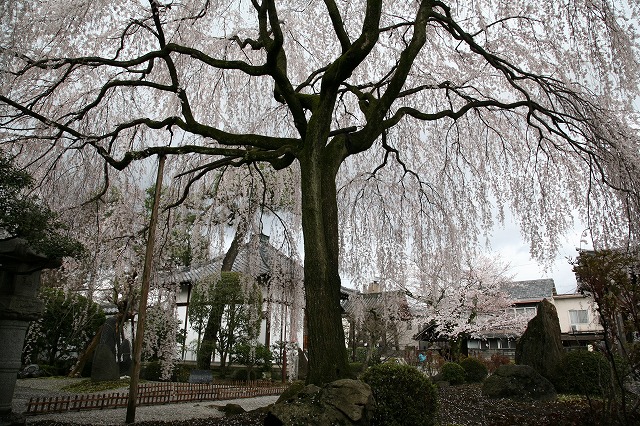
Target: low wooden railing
153,394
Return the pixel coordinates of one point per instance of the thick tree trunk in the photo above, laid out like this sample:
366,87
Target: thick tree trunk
207,348
326,342
84,356
209,337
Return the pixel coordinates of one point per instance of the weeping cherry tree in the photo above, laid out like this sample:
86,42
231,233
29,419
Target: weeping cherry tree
410,127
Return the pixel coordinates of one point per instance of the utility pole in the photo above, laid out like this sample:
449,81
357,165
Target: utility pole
144,294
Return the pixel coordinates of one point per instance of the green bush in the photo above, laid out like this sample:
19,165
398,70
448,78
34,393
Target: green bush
276,374
245,375
404,395
355,368
67,325
151,371
373,355
452,373
474,370
582,372
182,372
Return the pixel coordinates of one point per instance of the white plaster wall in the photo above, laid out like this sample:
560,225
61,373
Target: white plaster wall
565,303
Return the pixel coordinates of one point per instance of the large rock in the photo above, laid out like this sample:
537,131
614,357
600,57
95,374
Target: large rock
518,381
232,409
343,402
541,346
125,363
104,367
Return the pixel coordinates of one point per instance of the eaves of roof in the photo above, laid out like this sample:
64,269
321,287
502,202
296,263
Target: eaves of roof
269,261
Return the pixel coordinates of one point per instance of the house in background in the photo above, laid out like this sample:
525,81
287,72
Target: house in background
579,323
377,321
281,280
525,295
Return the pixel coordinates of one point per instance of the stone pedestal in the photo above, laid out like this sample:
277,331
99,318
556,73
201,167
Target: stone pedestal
12,334
19,283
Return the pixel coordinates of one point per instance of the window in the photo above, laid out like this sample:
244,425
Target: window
578,317
529,311
506,344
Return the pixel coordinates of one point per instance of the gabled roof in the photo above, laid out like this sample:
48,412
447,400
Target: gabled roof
531,290
259,257
255,258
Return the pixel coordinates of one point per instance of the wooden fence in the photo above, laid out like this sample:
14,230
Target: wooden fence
154,394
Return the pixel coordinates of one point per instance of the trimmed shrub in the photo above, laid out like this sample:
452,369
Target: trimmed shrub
182,372
518,381
151,371
452,373
582,372
245,375
474,370
404,395
355,368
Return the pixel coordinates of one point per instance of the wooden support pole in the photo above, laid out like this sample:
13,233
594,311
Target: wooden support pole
144,294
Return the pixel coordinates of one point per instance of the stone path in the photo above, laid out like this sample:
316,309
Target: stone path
27,388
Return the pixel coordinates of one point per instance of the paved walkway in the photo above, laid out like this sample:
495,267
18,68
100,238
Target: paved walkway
27,388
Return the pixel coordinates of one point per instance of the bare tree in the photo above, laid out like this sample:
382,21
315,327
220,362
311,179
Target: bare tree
421,117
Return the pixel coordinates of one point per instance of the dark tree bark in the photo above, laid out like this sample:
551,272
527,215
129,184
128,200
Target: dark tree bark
547,106
209,337
212,329
328,359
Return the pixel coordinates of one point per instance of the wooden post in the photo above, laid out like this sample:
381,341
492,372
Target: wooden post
144,294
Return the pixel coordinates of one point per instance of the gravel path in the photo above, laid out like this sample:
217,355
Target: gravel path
27,388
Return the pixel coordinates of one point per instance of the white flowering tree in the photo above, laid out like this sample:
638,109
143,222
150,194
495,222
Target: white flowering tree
405,124
478,301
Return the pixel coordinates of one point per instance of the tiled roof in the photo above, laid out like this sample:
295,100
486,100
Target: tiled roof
378,302
531,289
193,273
255,258
268,261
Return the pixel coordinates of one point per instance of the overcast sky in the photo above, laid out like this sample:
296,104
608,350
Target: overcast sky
509,246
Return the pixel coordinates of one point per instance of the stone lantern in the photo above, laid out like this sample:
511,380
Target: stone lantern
20,269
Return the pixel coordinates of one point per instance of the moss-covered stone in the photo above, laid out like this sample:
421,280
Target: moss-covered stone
232,409
541,346
292,391
518,381
343,402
